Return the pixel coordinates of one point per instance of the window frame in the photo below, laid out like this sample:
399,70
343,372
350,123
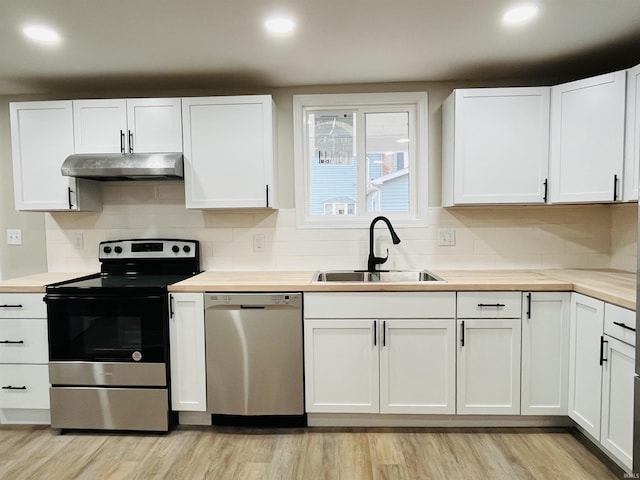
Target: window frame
364,103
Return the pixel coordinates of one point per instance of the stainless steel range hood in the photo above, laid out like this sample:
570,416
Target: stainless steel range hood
124,166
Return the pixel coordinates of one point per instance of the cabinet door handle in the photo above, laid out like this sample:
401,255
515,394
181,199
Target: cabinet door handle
495,305
375,333
267,195
69,192
9,387
170,306
615,188
11,306
602,342
627,327
529,305
462,333
11,341
121,141
384,333
546,190
130,141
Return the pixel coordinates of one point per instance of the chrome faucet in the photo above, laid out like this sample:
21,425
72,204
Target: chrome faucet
373,260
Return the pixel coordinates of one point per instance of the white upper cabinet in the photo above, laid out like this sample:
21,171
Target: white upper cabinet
495,146
139,125
632,136
587,139
229,152
100,126
41,138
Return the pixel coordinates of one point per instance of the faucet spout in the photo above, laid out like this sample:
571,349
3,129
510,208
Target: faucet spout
373,260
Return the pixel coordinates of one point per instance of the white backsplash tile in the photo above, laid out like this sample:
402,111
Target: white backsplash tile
486,237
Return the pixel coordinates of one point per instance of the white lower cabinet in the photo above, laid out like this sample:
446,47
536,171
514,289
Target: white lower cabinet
380,365
601,374
488,345
616,431
417,366
488,380
341,366
24,358
545,353
187,352
585,368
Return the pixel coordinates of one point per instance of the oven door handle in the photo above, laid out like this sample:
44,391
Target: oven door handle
49,298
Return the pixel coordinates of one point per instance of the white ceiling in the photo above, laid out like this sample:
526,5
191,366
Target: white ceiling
203,44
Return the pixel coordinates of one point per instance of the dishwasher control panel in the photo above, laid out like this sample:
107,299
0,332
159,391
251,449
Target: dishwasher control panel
253,300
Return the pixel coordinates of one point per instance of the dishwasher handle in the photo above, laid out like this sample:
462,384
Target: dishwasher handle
253,307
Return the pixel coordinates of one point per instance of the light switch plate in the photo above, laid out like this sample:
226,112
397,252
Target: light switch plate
258,242
14,237
446,237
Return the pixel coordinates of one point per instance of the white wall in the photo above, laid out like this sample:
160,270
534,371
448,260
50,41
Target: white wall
624,236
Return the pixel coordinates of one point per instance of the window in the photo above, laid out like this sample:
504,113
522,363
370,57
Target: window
358,156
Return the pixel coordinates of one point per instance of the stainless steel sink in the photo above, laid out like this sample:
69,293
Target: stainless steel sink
383,276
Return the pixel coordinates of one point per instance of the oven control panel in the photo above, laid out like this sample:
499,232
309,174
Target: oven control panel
148,248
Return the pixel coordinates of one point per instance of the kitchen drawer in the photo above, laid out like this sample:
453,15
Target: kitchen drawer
22,305
23,340
489,304
620,323
380,305
31,386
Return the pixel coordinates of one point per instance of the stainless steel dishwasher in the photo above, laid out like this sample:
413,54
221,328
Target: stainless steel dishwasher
254,357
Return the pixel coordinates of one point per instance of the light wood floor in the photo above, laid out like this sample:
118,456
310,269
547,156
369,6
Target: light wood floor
305,454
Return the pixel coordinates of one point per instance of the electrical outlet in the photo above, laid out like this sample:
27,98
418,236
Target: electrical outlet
446,237
14,237
258,243
78,241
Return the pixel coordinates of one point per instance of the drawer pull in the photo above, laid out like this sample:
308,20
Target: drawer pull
10,306
11,341
624,326
9,387
495,305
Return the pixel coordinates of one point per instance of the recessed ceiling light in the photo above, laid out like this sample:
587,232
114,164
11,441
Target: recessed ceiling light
280,25
520,14
41,34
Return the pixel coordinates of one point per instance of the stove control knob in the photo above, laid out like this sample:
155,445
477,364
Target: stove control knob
175,249
118,249
106,249
186,249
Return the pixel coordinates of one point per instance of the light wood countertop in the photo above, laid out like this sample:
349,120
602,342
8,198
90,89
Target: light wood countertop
613,286
38,282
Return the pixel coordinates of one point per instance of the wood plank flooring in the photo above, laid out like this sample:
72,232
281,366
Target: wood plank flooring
298,454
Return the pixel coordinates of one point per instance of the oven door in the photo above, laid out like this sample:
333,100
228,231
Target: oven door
107,328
